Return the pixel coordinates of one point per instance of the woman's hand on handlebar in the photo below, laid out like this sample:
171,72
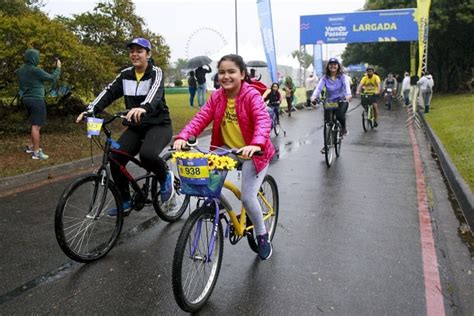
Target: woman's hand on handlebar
83,115
135,114
248,151
179,144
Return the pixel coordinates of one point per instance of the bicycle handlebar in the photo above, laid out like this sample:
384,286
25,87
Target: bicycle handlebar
192,142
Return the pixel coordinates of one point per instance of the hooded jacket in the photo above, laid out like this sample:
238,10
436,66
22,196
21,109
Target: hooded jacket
425,82
31,77
148,93
252,115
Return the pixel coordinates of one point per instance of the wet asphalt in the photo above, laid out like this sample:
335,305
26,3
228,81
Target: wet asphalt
347,242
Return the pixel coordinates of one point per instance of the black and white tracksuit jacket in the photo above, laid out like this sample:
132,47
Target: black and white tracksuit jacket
148,93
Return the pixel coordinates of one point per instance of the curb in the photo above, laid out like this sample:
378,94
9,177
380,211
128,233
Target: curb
57,171
48,173
461,190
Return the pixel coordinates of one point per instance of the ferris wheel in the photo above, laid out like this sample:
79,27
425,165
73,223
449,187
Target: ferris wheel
204,41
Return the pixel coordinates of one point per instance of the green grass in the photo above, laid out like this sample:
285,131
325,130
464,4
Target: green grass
452,119
65,140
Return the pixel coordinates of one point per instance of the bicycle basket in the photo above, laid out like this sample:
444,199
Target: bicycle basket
198,180
331,105
366,99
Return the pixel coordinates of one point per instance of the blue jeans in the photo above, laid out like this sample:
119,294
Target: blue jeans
406,96
426,100
201,92
192,93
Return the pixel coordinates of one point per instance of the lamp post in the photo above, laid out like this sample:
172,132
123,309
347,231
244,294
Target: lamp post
236,30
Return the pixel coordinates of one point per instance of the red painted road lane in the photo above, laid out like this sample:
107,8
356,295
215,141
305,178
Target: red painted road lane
434,297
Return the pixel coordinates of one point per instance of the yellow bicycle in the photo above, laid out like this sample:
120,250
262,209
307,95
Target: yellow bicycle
199,249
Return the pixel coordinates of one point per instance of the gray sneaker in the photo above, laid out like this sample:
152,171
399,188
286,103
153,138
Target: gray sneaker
39,155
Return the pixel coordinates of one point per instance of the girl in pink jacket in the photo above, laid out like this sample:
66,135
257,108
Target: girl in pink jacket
240,120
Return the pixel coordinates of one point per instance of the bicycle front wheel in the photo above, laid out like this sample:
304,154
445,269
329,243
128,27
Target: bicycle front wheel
338,140
365,121
83,230
173,209
328,144
269,203
197,259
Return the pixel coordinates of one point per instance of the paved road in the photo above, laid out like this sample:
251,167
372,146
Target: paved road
348,241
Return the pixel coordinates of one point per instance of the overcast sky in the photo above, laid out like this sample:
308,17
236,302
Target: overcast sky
197,27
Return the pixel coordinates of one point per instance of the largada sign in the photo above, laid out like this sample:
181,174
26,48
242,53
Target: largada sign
359,27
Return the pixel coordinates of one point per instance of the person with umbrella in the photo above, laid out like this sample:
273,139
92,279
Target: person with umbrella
201,83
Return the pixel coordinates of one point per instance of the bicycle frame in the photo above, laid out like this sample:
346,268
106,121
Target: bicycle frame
107,157
240,225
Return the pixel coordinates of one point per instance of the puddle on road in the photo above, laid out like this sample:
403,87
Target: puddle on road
463,229
284,147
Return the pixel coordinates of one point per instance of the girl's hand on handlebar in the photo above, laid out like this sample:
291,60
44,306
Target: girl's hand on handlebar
179,144
248,151
135,114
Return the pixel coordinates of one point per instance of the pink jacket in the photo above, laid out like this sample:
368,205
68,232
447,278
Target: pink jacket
252,115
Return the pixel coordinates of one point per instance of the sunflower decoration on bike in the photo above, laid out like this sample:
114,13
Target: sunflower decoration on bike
202,174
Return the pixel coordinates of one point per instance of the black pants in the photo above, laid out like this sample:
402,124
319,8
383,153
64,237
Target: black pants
289,102
149,142
340,113
309,93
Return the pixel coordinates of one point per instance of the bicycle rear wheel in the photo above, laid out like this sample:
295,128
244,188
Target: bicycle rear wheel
83,230
268,193
173,209
195,273
329,144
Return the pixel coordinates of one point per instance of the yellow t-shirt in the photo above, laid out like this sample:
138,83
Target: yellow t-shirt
139,75
230,129
371,85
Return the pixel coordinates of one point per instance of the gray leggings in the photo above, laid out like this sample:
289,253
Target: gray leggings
251,182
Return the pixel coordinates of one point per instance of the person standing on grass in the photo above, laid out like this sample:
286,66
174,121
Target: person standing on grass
31,79
148,121
201,83
192,86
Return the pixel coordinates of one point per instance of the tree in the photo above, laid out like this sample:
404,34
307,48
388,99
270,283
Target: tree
110,26
304,59
83,67
175,72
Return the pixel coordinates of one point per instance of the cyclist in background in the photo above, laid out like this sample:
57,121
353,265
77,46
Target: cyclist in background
370,83
389,83
338,88
142,87
274,100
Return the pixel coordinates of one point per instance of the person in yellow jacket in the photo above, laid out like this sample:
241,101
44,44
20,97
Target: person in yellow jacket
370,83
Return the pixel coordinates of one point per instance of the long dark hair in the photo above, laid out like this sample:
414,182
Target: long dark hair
239,61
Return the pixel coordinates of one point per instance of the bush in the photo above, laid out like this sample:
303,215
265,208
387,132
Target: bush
178,83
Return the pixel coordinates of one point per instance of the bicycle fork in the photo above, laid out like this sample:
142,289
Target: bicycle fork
212,241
